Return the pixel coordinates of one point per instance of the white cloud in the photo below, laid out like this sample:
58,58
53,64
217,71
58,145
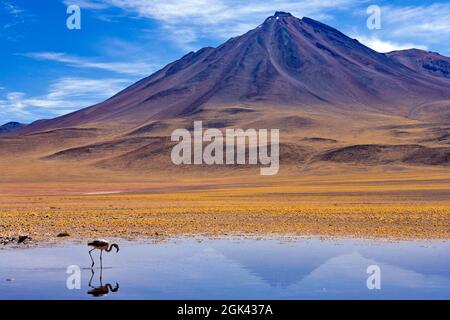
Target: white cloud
403,27
219,11
81,87
430,23
129,68
387,46
183,37
220,18
86,4
14,102
63,96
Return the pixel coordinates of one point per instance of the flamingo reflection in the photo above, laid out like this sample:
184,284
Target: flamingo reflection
101,290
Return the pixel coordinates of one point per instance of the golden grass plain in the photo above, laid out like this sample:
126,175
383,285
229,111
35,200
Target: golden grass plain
378,204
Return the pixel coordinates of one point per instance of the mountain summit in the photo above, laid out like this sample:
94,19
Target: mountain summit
284,62
280,14
335,101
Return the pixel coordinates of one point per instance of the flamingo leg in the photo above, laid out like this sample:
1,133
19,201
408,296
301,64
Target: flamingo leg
101,261
92,276
101,273
92,259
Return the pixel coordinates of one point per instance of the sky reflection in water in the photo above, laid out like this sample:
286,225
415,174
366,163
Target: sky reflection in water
233,269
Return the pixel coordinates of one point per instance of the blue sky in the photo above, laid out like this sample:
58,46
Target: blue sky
48,70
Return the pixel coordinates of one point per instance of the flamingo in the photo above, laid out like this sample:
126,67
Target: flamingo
101,245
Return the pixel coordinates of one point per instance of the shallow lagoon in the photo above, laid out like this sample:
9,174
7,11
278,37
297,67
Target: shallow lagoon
301,268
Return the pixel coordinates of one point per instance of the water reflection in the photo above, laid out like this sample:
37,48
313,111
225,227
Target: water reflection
234,269
101,290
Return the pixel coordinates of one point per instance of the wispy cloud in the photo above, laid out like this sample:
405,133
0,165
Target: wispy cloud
64,95
86,4
128,68
402,25
183,37
191,20
430,22
12,15
12,9
215,12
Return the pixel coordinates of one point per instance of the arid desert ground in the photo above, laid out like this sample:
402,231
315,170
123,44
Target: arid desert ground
377,204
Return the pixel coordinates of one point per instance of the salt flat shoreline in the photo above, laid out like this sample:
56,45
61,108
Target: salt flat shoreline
236,238
51,224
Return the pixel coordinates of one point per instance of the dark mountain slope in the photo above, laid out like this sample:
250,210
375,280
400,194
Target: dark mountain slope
10,127
285,62
423,62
